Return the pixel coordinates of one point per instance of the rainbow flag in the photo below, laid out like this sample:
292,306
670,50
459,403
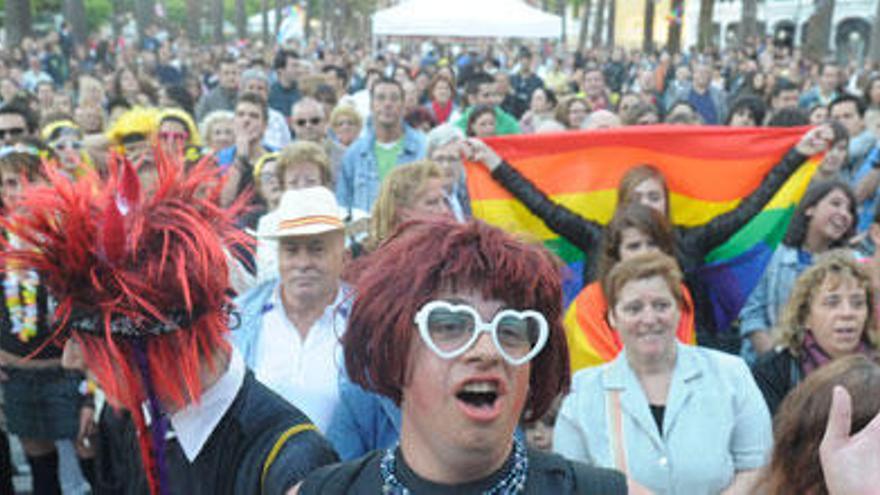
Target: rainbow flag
708,169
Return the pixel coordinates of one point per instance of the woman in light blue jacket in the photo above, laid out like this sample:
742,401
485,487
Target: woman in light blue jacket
675,418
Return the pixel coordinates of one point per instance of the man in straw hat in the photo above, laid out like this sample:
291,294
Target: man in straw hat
291,326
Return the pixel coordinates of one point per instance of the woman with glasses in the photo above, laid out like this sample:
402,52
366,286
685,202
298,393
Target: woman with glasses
178,134
65,138
467,340
674,418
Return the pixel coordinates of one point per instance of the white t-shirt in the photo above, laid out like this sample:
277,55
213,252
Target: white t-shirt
303,371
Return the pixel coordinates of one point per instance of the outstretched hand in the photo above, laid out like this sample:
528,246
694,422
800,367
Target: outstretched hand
816,140
479,152
851,464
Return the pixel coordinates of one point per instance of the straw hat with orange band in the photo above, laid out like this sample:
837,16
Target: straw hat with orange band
306,212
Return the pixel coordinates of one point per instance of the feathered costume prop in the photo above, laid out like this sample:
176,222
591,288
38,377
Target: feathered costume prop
141,281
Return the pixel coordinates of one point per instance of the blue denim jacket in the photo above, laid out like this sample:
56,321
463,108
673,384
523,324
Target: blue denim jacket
250,308
362,422
358,183
762,308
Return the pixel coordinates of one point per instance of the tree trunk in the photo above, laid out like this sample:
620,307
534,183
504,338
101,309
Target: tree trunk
748,26
240,19
560,11
874,52
310,14
75,14
819,31
585,24
264,13
609,22
18,21
673,38
115,19
194,20
597,24
143,16
218,21
704,33
648,37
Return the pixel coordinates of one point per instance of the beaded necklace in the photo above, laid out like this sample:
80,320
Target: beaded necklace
20,295
512,483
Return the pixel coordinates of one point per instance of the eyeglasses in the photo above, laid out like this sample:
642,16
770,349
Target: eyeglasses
11,132
173,136
446,160
65,144
311,121
449,330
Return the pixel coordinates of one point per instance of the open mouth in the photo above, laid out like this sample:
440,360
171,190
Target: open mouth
846,331
480,400
839,224
479,394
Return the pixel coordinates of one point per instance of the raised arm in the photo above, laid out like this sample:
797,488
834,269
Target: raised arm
709,236
583,233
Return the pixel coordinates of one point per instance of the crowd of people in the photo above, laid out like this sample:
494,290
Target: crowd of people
254,269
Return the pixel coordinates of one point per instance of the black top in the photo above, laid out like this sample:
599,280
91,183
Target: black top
548,474
658,411
776,373
10,342
232,459
692,243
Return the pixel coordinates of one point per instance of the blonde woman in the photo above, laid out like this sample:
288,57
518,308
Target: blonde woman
411,190
345,126
299,165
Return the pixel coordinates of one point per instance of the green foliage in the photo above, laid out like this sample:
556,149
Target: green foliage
98,13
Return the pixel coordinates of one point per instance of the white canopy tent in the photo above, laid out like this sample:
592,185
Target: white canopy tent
466,19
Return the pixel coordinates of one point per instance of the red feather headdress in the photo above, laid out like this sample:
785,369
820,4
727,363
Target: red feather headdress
141,280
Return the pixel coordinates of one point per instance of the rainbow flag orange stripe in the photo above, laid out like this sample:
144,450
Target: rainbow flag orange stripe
708,169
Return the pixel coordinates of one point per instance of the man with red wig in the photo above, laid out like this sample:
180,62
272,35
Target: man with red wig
466,340
142,290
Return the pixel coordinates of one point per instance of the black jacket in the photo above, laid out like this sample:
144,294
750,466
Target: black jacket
776,373
233,458
692,243
548,473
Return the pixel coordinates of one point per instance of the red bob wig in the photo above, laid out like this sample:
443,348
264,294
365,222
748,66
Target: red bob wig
424,257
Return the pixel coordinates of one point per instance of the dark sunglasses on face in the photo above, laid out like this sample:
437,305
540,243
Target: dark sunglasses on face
173,136
60,145
11,132
312,121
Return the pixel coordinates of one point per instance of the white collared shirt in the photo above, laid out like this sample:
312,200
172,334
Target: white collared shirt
303,371
194,424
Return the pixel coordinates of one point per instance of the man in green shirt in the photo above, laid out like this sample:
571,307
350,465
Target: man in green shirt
482,89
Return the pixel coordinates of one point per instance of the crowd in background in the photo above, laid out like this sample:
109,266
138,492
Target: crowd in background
376,137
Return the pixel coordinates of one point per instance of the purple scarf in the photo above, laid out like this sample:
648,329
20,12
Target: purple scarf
815,357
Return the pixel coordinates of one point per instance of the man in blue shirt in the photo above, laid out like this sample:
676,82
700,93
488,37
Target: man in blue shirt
387,142
708,101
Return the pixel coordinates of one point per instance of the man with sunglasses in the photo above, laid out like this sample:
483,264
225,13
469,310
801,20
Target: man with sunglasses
308,122
16,122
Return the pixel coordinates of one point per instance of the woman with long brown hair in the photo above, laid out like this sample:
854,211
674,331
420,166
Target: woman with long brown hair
800,424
